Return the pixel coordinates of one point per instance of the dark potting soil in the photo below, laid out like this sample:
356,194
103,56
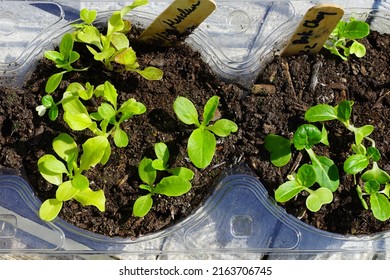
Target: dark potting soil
25,136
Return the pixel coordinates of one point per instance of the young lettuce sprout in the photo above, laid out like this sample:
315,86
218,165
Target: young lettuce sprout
343,40
108,118
63,60
114,46
95,150
361,157
326,174
202,143
322,170
174,185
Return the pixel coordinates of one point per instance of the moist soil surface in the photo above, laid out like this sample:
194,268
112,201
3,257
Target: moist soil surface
25,136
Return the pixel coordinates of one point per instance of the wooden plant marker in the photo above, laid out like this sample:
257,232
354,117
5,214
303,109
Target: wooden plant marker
179,17
313,30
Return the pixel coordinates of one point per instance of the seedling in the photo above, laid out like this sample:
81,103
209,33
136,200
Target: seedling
174,185
376,180
161,163
95,150
343,40
106,121
202,142
114,46
322,170
63,60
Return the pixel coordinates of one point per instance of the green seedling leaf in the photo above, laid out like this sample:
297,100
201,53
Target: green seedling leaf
362,132
48,101
66,46
324,136
120,41
110,94
93,152
53,82
374,153
327,174
162,153
89,197
386,190
183,172
279,149
106,111
209,110
115,23
142,205
85,93
306,136
75,113
201,147
151,73
356,30
88,16
54,178
77,122
376,174
80,182
344,110
359,149
159,164
66,191
73,57
380,206
358,49
90,35
172,186
287,191
186,111
223,127
54,56
355,164
104,55
127,57
120,138
134,5
201,143
372,186
53,165
131,108
146,171
75,88
49,209
321,113
53,113
146,187
65,147
306,175
318,198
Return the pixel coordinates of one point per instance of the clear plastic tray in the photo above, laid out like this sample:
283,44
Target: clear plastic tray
239,218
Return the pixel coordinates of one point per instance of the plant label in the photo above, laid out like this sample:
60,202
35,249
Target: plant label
180,17
313,30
